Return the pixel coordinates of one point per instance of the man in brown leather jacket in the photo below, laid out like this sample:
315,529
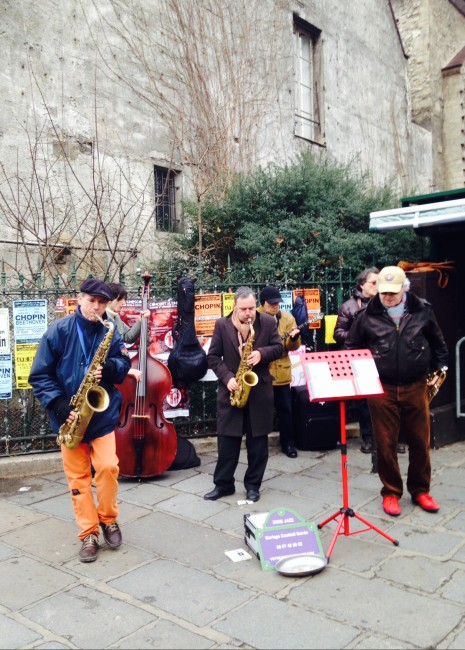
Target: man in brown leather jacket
407,344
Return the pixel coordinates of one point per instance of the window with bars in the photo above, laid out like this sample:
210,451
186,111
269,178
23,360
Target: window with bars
166,218
308,82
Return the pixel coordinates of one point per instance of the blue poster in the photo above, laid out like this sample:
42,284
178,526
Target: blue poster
6,376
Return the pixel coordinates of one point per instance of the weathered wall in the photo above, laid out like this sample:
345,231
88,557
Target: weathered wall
53,68
454,129
433,32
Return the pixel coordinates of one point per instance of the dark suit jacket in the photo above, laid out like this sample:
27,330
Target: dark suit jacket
224,358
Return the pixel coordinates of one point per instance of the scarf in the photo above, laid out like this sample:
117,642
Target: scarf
243,331
396,313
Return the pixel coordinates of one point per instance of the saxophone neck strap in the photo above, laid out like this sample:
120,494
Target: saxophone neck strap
87,357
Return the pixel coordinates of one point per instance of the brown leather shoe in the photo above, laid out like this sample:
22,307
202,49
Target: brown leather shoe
89,548
112,534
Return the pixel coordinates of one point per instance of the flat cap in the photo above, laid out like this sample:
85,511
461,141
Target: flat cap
270,295
95,287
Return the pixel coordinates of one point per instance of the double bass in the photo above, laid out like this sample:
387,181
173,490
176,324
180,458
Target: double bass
146,442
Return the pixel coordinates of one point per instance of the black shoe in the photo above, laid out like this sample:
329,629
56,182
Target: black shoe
367,447
290,451
253,495
217,493
89,548
112,534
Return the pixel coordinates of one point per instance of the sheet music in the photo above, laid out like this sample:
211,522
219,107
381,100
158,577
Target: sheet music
322,384
366,377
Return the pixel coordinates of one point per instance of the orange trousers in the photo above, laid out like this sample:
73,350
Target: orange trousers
77,464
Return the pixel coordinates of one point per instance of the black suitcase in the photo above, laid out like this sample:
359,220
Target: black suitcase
316,425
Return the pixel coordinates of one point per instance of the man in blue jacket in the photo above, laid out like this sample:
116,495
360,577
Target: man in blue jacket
63,358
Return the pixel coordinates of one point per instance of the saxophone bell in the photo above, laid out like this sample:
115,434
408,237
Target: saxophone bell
432,391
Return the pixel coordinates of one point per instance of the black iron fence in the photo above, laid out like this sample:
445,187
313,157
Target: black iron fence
24,425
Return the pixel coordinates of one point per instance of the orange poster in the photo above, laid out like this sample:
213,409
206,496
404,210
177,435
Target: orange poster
71,305
207,311
312,300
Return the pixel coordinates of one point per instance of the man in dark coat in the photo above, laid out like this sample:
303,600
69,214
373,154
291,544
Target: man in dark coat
366,286
407,344
255,419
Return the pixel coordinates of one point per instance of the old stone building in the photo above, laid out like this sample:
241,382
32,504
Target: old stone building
112,112
433,35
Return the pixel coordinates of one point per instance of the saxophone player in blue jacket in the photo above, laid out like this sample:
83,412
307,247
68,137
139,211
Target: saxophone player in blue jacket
63,359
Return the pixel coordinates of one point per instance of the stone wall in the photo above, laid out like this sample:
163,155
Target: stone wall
71,85
432,33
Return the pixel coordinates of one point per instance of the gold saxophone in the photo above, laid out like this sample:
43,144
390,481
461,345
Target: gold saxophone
90,397
245,376
432,391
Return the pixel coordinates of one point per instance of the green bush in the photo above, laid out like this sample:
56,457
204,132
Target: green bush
313,212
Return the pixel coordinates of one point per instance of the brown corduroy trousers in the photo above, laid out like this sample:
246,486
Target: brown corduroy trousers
403,410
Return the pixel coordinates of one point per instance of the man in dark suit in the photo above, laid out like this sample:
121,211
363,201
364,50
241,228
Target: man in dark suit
230,343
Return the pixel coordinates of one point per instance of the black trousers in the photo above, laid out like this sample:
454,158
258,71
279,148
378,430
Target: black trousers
283,406
229,449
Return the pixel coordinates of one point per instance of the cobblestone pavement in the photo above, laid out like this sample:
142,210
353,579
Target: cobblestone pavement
170,585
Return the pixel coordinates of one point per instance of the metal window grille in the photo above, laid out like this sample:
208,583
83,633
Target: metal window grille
165,200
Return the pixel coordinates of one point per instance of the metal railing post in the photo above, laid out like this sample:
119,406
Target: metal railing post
458,399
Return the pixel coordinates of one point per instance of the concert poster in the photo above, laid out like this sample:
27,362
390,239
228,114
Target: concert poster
312,300
160,323
207,310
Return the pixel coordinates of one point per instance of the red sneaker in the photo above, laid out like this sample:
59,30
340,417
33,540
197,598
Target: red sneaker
426,502
391,506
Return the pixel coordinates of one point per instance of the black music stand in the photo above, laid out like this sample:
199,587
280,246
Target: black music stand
342,375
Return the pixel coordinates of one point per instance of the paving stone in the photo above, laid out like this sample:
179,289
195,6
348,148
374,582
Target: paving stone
104,619
170,586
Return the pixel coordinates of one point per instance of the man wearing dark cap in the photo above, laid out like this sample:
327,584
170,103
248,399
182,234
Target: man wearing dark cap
407,344
280,369
63,357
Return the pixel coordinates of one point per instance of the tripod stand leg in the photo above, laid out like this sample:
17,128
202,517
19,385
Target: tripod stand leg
376,529
336,534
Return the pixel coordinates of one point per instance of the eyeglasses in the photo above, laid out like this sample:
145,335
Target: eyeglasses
371,282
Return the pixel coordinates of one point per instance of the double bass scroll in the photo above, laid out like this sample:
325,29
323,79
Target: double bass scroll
146,442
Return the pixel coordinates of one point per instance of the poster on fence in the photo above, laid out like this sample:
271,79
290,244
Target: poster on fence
312,300
286,300
4,331
162,318
29,323
24,356
6,376
228,303
29,320
207,310
130,315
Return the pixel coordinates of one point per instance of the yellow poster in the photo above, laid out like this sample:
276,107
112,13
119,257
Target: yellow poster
207,311
24,356
228,303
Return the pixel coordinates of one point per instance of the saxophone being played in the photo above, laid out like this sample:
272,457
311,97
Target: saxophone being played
90,398
245,376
